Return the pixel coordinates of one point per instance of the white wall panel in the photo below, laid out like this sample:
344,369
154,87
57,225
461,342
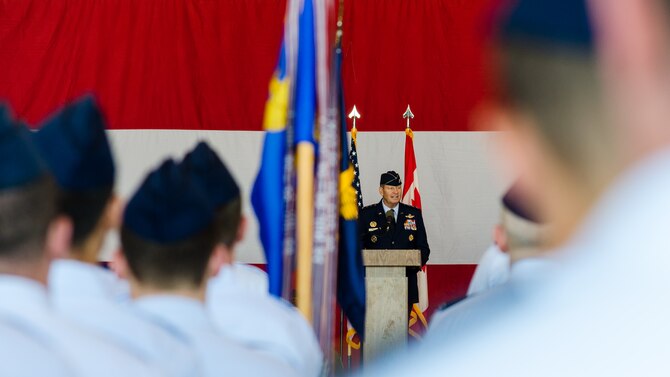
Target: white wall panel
459,183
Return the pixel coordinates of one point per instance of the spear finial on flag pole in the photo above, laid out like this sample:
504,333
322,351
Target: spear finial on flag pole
408,115
354,115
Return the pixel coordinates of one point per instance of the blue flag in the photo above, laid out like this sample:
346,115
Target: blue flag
267,195
350,272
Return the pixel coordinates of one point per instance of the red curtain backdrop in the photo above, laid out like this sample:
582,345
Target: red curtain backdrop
154,64
429,54
205,64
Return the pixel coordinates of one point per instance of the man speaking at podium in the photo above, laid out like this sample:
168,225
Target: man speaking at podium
390,224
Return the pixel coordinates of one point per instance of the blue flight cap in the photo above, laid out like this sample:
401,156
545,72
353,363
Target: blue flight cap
74,145
204,164
551,22
168,207
390,178
20,163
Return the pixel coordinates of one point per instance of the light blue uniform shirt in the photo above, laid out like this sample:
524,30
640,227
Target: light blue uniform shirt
23,355
267,324
90,296
25,302
217,355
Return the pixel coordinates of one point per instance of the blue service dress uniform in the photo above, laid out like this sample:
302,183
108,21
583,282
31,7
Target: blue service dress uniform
408,232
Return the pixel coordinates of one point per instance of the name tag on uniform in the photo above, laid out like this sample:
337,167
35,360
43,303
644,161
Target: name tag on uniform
410,224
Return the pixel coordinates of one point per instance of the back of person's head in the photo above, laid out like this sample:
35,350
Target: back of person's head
168,232
204,164
634,49
550,78
74,145
27,195
555,109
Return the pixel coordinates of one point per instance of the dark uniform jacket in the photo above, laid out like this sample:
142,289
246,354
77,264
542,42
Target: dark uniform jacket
409,233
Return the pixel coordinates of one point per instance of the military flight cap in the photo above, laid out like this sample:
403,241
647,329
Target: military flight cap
550,23
390,178
20,163
204,164
74,145
168,206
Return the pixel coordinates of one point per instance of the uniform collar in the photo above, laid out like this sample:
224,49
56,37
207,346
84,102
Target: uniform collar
22,297
238,277
184,314
529,269
73,278
396,210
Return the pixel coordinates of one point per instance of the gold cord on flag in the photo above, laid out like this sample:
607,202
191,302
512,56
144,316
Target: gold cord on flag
416,316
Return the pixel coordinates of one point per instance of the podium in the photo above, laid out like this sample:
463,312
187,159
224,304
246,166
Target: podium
386,321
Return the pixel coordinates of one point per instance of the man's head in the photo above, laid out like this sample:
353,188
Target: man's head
553,109
30,232
168,235
74,145
203,164
390,188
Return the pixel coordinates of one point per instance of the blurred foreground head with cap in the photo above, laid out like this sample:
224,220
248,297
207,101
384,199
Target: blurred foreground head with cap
553,109
575,118
258,320
204,165
31,233
171,241
168,234
73,143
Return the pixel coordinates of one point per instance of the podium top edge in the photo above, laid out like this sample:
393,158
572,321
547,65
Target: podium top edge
391,258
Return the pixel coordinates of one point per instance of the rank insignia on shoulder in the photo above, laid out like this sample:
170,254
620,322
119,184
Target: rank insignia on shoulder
411,237
373,239
409,216
373,224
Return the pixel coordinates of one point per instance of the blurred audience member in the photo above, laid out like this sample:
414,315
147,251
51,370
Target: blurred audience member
31,235
74,145
170,243
238,298
522,235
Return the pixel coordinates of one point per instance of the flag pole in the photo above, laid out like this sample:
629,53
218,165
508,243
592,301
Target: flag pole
305,227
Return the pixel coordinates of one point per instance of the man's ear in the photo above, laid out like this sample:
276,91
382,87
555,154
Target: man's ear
500,238
115,211
59,238
119,265
216,260
381,190
242,229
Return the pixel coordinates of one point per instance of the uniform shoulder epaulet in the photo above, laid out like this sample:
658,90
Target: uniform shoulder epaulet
369,206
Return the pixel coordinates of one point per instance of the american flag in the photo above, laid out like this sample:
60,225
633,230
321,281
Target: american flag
353,157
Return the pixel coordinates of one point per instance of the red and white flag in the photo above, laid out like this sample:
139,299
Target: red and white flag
411,196
410,192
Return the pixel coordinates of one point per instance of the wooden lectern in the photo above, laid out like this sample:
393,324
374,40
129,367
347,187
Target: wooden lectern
386,321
